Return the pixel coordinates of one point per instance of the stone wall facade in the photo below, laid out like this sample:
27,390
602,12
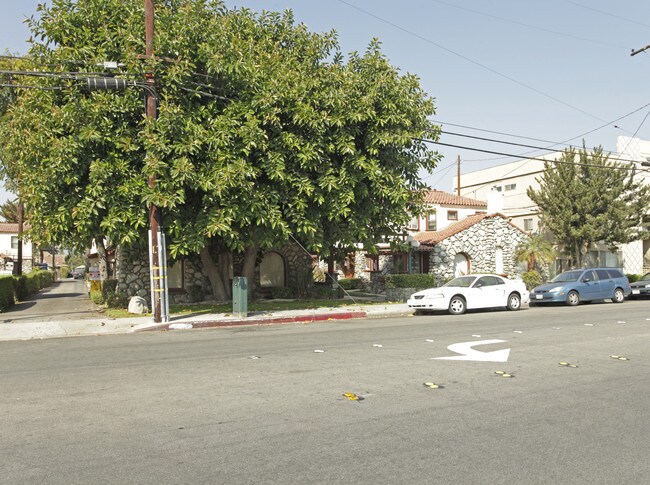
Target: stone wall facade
480,243
132,272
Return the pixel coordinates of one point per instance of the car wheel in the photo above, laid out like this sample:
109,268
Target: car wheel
457,305
514,302
573,298
619,296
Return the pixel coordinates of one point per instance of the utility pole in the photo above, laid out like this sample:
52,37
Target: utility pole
18,268
155,220
458,178
639,51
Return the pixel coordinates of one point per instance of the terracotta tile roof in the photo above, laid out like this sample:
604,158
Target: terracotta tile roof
434,237
445,198
11,227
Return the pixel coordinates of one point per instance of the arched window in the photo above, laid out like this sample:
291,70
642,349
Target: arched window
461,264
272,270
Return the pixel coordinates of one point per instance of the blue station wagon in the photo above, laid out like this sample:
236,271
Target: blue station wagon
574,286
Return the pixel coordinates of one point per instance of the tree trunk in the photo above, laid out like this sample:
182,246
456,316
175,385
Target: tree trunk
218,290
102,262
248,270
225,262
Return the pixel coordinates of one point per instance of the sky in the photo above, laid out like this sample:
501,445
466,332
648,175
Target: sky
544,74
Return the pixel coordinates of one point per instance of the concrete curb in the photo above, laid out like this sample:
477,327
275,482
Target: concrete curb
253,321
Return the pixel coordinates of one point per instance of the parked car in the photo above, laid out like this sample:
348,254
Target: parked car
470,292
574,286
641,287
79,272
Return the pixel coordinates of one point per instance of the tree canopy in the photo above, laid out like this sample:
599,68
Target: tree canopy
264,132
585,198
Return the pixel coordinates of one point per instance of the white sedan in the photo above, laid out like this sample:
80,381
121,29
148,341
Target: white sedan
470,292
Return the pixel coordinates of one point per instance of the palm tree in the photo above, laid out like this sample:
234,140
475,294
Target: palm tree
533,250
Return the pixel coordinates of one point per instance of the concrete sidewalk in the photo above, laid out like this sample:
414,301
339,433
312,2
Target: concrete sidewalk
26,330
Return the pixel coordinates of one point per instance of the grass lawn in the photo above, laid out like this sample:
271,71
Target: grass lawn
256,306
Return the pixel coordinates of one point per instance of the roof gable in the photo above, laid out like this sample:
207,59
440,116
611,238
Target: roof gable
434,237
445,198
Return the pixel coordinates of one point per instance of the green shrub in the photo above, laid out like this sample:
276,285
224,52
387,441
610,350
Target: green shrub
6,292
32,282
281,292
531,279
413,280
324,291
634,277
117,301
97,297
195,293
20,287
351,283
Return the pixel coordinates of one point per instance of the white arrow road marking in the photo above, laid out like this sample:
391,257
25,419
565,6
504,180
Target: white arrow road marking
468,353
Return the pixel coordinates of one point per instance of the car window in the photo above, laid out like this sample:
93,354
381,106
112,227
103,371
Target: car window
614,273
461,282
590,275
603,274
498,281
484,281
567,276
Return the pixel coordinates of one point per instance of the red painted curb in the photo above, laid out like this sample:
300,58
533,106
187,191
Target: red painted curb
261,321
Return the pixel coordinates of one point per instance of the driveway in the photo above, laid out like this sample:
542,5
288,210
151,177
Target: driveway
64,300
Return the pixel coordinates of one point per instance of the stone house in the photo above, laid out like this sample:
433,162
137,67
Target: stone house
480,243
187,280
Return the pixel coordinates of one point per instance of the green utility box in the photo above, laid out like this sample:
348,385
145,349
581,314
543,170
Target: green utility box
240,296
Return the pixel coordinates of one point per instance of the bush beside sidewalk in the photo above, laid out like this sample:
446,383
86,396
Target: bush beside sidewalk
19,288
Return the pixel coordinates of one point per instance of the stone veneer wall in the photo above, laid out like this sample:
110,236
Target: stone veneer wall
132,271
479,242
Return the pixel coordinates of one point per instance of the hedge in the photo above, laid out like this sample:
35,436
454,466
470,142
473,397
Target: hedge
413,280
30,283
351,283
6,292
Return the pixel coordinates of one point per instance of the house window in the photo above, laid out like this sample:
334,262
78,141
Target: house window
14,242
414,225
528,224
175,275
431,221
498,188
510,187
372,263
452,215
272,270
400,263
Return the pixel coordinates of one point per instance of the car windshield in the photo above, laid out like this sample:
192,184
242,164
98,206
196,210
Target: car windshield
461,282
645,277
567,276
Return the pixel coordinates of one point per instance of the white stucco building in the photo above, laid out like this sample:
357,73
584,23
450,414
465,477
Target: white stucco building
510,181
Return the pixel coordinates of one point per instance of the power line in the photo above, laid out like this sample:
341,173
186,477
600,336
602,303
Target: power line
483,66
630,168
492,140
602,12
516,22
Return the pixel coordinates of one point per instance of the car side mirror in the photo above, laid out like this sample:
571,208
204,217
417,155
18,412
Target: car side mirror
586,280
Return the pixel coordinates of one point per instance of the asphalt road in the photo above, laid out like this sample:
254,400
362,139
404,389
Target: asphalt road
196,407
66,299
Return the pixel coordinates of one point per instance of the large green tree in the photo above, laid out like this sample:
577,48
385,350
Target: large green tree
264,133
584,198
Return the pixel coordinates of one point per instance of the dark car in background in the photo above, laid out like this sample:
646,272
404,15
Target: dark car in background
79,272
641,287
588,284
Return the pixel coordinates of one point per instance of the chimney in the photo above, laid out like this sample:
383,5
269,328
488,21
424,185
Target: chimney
494,201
